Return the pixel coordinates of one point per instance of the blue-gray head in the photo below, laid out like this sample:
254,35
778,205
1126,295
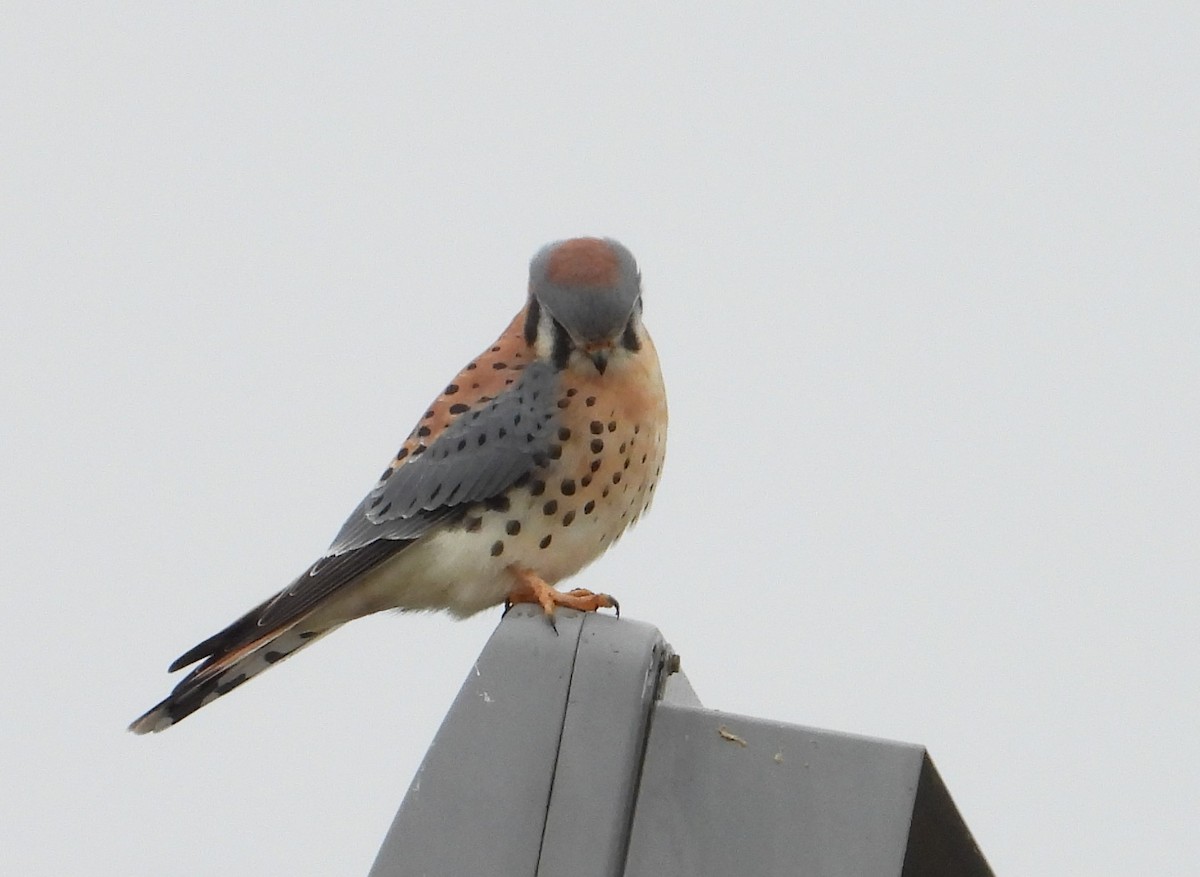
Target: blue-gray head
585,297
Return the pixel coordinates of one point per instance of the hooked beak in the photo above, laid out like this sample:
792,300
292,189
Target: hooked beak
599,359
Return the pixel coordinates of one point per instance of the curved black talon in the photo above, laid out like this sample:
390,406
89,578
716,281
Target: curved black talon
616,605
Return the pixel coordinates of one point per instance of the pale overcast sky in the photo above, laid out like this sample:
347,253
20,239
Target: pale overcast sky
925,281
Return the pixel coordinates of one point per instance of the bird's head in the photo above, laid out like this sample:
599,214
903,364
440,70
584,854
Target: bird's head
585,304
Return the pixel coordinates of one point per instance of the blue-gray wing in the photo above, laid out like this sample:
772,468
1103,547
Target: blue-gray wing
478,457
474,459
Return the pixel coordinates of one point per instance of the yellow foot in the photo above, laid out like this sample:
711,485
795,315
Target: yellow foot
532,589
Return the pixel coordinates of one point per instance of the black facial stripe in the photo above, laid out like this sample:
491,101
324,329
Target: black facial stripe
629,339
562,346
532,316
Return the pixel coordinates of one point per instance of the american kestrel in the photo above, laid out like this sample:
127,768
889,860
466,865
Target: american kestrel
527,467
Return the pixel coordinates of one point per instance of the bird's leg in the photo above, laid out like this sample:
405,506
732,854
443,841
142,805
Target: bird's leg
531,588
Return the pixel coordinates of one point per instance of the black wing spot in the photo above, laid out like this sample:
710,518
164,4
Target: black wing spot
497,504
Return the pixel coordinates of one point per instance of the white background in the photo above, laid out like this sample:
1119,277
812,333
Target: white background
924,280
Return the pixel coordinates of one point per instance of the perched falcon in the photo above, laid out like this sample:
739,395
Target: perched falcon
527,467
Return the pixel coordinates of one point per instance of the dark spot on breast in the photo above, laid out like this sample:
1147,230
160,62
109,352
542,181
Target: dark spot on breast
497,504
626,466
424,431
563,403
637,427
402,454
567,487
513,527
597,445
572,391
550,508
604,493
585,481
616,479
545,543
451,389
596,427
499,366
589,401
621,449
472,524
555,452
497,548
419,450
537,488
458,408
471,366
612,426
496,349
589,507
428,414
595,467
563,433
644,459
568,518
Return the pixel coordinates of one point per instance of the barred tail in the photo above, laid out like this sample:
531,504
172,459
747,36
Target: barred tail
221,674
